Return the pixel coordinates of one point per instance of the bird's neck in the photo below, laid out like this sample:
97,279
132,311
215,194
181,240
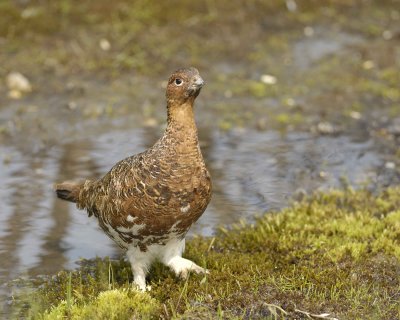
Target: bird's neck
181,125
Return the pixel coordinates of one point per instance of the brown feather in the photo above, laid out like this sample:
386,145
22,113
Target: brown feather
161,191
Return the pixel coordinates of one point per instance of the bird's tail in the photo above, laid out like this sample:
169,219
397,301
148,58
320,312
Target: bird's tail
68,191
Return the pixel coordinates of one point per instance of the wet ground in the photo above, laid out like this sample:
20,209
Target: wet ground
297,99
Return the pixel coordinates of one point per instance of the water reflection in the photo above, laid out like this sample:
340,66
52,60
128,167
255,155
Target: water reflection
73,164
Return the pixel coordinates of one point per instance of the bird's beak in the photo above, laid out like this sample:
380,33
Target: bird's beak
198,83
196,86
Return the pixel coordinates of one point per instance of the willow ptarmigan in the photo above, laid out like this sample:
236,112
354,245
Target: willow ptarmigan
146,203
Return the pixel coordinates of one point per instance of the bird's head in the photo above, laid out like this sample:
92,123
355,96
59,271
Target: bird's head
184,85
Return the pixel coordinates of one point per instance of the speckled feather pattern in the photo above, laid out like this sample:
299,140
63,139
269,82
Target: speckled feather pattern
164,190
155,196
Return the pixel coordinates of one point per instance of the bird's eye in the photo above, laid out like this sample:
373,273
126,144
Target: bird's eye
178,82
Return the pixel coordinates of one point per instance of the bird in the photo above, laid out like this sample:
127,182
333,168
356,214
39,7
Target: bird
147,202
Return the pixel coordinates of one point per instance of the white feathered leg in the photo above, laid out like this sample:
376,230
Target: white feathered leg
170,254
140,263
172,257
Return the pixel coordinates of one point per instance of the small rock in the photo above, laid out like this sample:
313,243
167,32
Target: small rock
72,105
355,115
150,122
390,165
308,31
323,174
368,64
325,128
18,82
291,5
30,13
105,45
268,79
387,34
290,102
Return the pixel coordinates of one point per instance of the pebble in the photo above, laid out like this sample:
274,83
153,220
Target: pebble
325,128
308,31
387,34
150,122
390,165
268,79
18,82
355,115
368,64
30,13
323,174
105,45
290,102
291,5
72,105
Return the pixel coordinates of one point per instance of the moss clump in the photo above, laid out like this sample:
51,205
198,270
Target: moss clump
335,253
112,304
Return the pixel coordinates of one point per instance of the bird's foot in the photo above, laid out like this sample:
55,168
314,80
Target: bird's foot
140,286
182,267
139,283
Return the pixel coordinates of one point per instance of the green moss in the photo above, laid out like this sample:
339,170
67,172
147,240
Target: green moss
335,252
111,304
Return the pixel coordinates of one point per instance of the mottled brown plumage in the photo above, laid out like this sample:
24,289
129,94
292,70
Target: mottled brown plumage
146,203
